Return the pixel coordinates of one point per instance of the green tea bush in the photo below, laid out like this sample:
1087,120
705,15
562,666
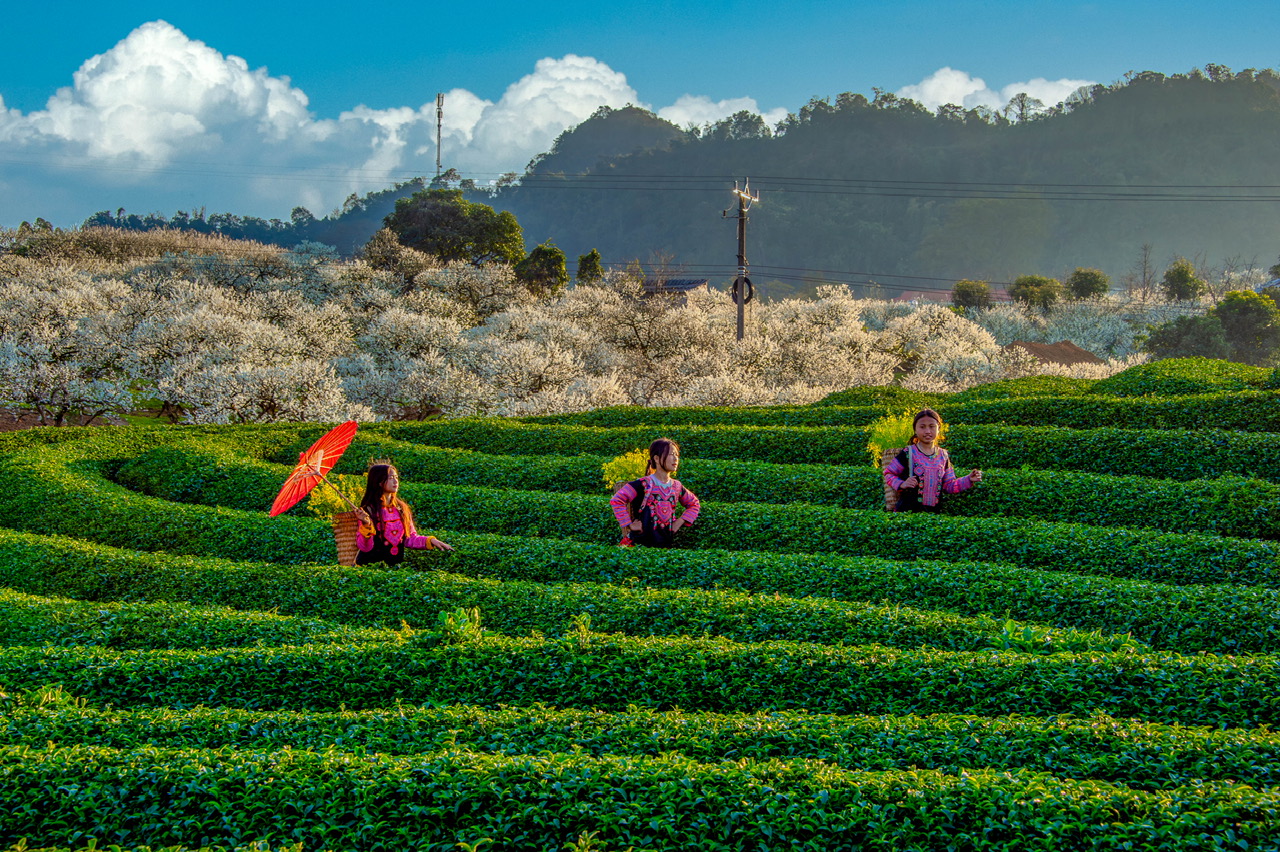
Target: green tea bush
1249,411
32,620
1220,618
611,672
916,674
1165,454
1027,386
371,597
1115,551
67,498
1181,376
336,800
1100,747
1229,505
883,397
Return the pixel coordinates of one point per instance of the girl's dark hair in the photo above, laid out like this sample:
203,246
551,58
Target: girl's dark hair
928,412
372,500
658,449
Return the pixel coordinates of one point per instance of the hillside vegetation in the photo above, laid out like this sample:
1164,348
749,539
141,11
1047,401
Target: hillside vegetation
865,189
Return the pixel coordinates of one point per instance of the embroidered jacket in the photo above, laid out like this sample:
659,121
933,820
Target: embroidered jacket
934,472
391,526
659,500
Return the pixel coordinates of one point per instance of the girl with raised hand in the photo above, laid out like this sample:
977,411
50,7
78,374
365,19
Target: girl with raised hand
653,508
386,521
922,472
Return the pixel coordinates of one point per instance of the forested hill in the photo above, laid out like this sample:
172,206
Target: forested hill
1187,164
856,190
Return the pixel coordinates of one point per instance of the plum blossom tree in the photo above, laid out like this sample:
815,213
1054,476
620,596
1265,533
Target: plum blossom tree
305,336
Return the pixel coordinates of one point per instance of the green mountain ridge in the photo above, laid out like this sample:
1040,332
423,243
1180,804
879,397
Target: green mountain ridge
885,192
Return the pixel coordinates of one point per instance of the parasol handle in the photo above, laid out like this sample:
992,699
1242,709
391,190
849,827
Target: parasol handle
344,497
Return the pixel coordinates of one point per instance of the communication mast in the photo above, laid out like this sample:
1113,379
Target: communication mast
439,125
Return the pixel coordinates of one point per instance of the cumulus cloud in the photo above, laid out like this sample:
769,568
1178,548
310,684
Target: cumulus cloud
162,121
158,92
949,86
699,111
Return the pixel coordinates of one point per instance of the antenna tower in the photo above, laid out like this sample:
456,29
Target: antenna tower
439,125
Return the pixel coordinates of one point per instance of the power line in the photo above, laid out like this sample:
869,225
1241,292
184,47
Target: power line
798,184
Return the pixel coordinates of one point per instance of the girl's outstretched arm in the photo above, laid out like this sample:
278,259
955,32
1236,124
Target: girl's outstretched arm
953,484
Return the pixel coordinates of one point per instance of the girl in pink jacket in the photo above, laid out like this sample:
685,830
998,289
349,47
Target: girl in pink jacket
922,472
386,521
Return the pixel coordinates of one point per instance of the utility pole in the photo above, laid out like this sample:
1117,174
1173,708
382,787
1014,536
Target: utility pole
742,292
439,124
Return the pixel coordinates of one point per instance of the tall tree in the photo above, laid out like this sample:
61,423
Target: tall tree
1251,323
1037,291
1189,337
441,222
543,271
1088,283
1181,283
971,294
589,267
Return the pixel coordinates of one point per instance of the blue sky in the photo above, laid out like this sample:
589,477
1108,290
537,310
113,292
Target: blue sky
334,98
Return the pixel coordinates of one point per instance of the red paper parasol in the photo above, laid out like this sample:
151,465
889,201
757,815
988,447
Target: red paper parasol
313,465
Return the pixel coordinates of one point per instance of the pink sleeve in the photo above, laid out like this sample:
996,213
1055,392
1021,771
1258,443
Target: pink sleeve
893,471
691,505
621,504
365,543
418,542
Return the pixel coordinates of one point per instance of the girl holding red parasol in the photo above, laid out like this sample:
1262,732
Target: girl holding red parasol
386,521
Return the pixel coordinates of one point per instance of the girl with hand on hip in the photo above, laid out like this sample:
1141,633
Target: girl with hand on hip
646,508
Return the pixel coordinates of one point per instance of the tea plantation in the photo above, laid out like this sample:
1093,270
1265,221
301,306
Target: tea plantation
1082,653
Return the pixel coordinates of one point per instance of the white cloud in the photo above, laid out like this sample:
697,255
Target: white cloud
949,86
560,93
161,122
699,110
158,93
1051,92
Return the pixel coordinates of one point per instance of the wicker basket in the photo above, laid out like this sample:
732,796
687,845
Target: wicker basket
345,527
890,493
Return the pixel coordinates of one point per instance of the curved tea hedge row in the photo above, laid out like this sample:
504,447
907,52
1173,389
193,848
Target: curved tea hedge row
32,620
335,800
612,672
1164,454
1248,411
199,472
516,608
1142,755
1104,612
69,495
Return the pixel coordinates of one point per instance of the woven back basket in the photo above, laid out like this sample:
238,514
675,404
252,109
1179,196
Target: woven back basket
890,493
345,527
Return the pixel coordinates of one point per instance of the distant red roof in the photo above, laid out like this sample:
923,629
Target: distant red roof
1063,352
